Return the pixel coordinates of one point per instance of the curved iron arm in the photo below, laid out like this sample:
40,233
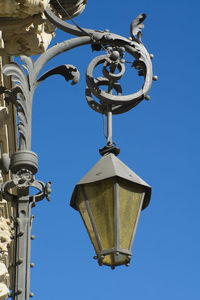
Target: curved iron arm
95,35
133,46
22,94
26,84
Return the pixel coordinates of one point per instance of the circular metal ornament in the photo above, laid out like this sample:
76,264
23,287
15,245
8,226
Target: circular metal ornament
113,76
100,107
37,184
142,63
24,160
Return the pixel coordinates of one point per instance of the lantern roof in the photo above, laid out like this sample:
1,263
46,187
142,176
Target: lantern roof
110,166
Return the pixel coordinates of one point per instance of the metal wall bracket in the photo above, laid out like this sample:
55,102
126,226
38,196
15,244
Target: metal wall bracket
23,165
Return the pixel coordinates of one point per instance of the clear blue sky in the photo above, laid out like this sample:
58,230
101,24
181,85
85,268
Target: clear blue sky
159,140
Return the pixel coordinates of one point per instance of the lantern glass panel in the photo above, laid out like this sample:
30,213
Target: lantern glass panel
108,260
86,219
100,198
130,203
97,206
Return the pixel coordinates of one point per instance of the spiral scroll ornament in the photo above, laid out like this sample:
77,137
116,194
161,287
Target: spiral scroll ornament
113,69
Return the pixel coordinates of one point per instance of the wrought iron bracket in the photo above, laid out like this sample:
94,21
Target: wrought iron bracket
24,166
113,68
23,163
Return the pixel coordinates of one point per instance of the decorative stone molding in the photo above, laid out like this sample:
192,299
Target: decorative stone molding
28,38
7,145
4,116
5,253
4,291
5,237
21,8
25,29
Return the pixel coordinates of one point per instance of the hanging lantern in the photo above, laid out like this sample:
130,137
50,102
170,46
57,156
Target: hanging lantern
109,198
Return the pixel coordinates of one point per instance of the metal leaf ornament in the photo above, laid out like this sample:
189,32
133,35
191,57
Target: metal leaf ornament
137,26
23,93
69,72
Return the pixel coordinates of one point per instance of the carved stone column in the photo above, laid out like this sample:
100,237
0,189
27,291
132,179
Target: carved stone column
7,145
25,29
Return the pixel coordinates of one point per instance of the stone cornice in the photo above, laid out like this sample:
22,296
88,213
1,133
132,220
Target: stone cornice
25,29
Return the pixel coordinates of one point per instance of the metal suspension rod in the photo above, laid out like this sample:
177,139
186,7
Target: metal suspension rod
109,125
109,116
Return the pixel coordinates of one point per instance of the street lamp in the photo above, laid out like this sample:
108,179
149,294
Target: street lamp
111,196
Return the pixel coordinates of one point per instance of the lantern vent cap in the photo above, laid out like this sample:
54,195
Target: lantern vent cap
107,167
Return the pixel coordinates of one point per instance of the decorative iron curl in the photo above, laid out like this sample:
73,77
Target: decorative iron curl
22,94
26,77
113,60
101,40
24,179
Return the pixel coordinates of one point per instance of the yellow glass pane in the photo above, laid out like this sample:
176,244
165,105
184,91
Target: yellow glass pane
114,260
108,260
84,214
100,198
130,197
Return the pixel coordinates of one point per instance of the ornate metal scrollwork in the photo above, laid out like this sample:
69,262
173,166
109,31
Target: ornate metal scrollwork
22,94
22,180
112,61
26,77
115,47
